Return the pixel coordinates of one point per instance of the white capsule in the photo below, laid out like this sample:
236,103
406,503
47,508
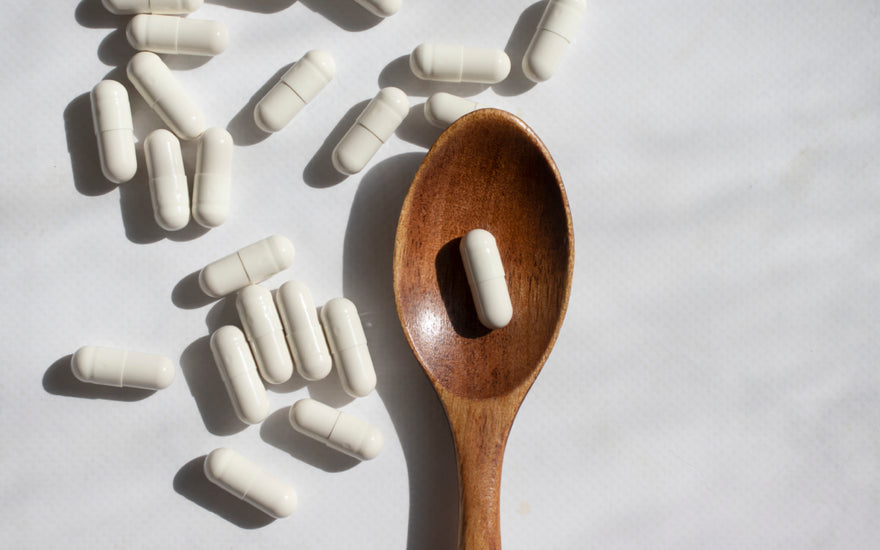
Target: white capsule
442,109
170,7
372,128
122,368
251,265
177,35
239,373
168,189
164,94
264,332
336,429
111,114
299,85
348,345
555,32
485,275
380,8
213,179
246,480
304,333
453,63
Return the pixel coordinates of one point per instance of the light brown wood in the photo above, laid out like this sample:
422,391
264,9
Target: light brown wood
488,170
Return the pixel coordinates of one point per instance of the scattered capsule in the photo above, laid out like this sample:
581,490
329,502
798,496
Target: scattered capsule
212,182
164,94
111,114
442,109
251,265
299,85
246,480
555,32
485,275
373,127
176,35
239,374
122,368
264,332
170,7
453,63
168,188
348,345
380,8
304,333
336,429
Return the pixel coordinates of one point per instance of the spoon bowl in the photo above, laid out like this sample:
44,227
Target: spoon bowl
490,171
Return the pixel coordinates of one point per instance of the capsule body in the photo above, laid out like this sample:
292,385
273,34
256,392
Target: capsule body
111,114
379,119
246,480
170,7
454,63
168,189
299,85
163,93
485,275
239,374
348,345
122,368
251,265
555,32
176,35
213,179
336,429
305,336
442,109
264,332
380,8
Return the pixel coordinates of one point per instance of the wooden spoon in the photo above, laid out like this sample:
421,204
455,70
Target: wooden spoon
488,170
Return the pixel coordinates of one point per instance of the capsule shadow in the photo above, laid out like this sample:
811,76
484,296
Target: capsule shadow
261,6
277,431
398,74
185,62
329,390
208,390
187,294
59,380
242,128
115,50
456,293
191,483
416,129
82,146
345,14
319,172
222,313
516,82
295,383
93,15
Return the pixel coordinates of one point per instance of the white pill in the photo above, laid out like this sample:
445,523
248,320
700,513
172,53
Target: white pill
213,179
299,85
442,109
454,63
336,429
555,32
239,373
251,265
304,333
264,332
485,275
122,368
381,8
177,35
111,114
171,7
164,94
246,480
372,128
168,188
348,345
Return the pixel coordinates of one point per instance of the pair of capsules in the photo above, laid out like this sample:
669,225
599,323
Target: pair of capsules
380,8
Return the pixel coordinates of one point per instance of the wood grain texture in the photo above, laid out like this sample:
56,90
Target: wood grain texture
488,170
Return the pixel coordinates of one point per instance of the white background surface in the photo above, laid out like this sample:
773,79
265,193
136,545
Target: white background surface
715,384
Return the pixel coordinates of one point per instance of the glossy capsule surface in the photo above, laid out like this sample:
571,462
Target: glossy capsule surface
251,265
213,180
264,332
455,63
379,119
485,275
176,35
442,109
380,8
239,373
556,31
336,429
163,93
111,114
246,480
168,188
305,336
348,346
171,7
297,87
122,368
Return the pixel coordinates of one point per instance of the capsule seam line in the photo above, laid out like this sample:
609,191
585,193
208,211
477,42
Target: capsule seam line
244,267
295,92
335,422
122,370
372,132
557,34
